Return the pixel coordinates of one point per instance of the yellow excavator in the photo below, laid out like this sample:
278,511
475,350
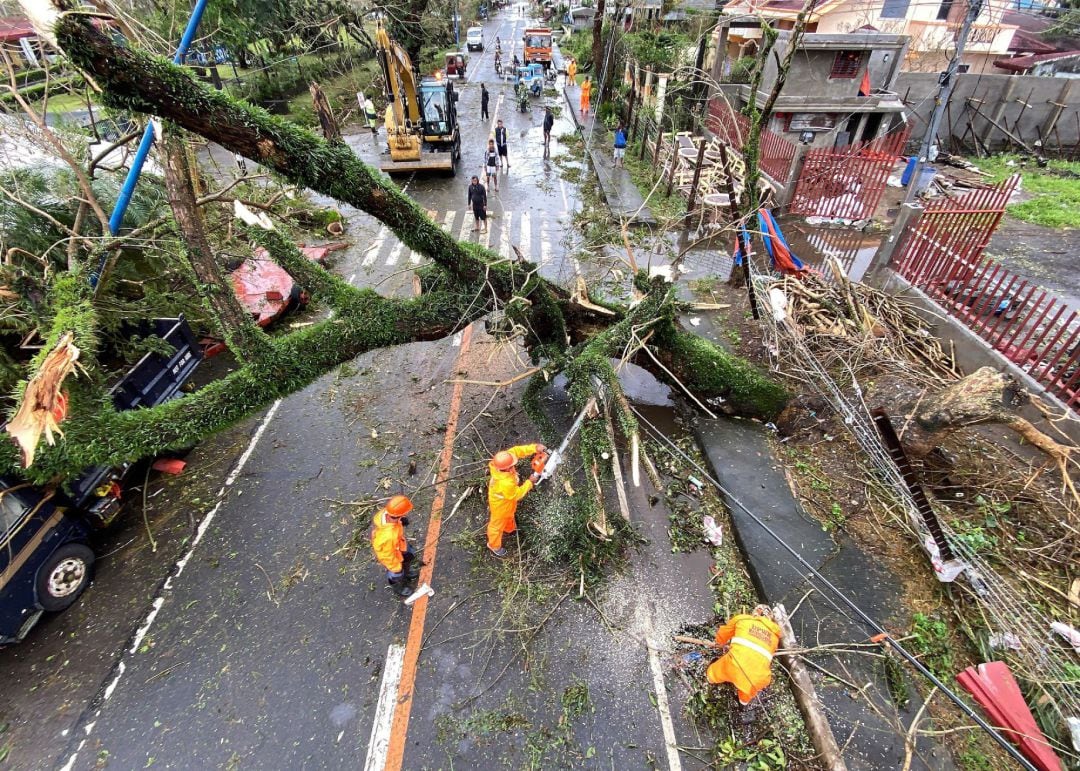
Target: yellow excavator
421,113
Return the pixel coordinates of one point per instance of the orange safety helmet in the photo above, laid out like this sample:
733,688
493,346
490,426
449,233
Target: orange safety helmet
398,506
504,461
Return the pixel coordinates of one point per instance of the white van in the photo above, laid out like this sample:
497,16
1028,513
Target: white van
474,39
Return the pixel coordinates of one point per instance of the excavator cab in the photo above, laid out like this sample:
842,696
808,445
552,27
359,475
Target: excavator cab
438,108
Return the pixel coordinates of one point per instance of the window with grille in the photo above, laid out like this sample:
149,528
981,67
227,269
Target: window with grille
846,64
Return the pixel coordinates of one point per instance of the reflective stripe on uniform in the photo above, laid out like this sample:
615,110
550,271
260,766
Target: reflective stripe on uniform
752,646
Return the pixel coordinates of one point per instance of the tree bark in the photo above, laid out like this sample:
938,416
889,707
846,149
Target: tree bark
598,40
242,336
330,130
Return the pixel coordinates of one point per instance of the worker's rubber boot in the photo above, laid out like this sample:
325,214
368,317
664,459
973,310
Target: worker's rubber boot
412,570
400,587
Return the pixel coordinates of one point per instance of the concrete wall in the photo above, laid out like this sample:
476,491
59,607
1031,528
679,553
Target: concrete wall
1000,98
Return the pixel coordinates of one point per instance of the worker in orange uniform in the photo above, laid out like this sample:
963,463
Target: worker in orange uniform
391,549
748,663
586,95
504,492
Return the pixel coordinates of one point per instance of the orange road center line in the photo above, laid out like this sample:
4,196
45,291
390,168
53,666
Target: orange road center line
399,728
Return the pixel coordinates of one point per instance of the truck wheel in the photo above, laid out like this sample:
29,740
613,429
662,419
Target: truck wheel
64,576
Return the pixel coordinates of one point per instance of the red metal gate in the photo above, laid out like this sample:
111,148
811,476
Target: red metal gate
847,182
943,256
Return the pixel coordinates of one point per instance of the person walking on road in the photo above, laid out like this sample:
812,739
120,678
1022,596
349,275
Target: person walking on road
620,146
491,165
571,72
478,202
484,103
500,143
391,549
504,492
748,662
367,106
549,121
586,95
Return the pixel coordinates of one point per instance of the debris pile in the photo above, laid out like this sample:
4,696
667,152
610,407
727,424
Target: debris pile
837,317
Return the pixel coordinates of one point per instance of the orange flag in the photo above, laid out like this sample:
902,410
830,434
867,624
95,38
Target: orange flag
864,87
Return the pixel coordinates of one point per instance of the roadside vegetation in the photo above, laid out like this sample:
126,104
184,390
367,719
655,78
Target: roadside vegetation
1052,194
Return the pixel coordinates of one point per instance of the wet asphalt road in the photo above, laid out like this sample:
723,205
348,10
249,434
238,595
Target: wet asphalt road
267,649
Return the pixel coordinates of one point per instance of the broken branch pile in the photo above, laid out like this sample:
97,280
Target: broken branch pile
840,316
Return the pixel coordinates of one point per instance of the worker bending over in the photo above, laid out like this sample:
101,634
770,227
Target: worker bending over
748,663
391,549
504,492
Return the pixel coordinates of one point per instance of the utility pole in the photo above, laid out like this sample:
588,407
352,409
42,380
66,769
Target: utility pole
945,85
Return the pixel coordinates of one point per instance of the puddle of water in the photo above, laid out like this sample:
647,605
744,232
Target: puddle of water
815,244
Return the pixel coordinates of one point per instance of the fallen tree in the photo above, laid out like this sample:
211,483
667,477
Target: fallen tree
562,331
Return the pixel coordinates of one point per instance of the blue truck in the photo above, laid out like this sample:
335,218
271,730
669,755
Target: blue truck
46,534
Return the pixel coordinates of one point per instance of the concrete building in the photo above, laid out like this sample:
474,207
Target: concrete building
20,41
931,27
841,88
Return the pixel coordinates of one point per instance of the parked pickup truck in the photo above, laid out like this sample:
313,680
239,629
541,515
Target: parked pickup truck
46,554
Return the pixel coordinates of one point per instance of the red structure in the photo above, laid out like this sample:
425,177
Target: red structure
943,256
776,154
847,181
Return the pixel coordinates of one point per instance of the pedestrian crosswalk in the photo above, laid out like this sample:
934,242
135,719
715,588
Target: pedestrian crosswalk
539,237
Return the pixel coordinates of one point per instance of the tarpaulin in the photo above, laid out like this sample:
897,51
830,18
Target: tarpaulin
777,246
995,688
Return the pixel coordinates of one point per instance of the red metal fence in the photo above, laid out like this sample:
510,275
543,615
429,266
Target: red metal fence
776,154
943,255
847,181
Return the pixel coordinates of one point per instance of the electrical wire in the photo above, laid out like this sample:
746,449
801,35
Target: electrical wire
862,615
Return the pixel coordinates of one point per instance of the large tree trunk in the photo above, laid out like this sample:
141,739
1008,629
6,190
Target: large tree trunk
244,339
463,283
598,41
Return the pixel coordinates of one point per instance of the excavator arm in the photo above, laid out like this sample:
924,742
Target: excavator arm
400,78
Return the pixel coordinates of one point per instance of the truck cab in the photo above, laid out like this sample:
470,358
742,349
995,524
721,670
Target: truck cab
46,533
537,41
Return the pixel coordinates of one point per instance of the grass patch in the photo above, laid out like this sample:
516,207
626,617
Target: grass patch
1055,190
667,209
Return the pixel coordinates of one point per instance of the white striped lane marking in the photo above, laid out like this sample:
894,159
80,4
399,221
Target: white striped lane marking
373,251
395,255
504,236
525,239
379,742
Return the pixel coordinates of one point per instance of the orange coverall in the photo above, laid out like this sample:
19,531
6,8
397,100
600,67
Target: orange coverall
504,492
748,663
388,541
586,94
571,72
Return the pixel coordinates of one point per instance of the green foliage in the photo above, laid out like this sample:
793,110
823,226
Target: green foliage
765,755
1053,193
742,69
579,46
930,640
663,51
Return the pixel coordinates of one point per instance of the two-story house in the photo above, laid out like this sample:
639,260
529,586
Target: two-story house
931,27
840,89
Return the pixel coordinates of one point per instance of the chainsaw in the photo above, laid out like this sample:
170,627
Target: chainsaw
545,464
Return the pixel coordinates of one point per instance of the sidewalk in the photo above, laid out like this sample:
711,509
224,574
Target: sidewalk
620,192
871,733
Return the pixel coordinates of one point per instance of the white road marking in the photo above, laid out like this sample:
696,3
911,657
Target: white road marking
379,742
670,742
373,250
448,220
456,342
545,244
464,230
395,255
414,257
565,201
352,277
525,238
178,568
504,236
